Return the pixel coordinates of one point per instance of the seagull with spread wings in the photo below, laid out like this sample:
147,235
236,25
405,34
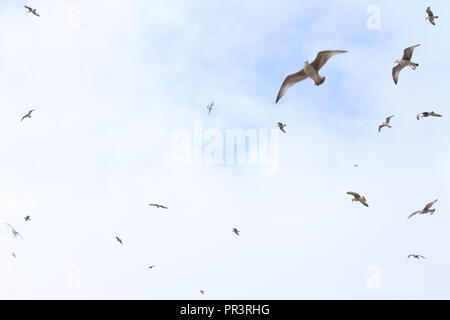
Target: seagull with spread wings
14,231
281,126
119,240
27,218
431,16
385,123
33,11
28,115
210,107
310,70
404,62
358,198
425,210
236,231
428,114
159,206
416,256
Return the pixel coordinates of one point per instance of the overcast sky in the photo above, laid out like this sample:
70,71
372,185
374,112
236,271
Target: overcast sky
120,86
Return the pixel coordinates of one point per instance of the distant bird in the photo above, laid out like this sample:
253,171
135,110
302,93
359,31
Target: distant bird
33,11
281,126
236,231
28,115
404,62
119,240
428,114
355,165
357,197
425,210
416,256
202,292
210,107
159,206
431,16
14,231
308,71
13,255
27,218
152,266
385,123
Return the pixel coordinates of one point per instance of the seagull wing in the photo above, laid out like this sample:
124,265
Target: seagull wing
289,82
413,214
430,13
396,71
418,116
408,52
356,195
323,57
389,119
380,127
429,205
30,9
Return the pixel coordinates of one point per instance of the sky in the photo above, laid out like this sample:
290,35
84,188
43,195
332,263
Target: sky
120,90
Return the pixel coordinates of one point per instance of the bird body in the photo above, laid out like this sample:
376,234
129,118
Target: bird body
14,231
119,240
28,115
236,231
425,210
404,62
27,218
159,206
31,10
428,114
310,70
210,107
281,126
385,123
358,198
152,266
431,17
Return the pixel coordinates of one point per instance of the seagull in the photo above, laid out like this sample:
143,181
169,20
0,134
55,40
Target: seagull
428,114
13,255
152,266
416,256
309,71
358,197
210,107
119,240
386,123
236,231
431,16
202,292
356,166
33,11
14,231
281,126
159,206
27,218
404,62
425,210
28,115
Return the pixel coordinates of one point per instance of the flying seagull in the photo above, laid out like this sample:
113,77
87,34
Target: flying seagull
14,231
236,231
425,210
13,255
159,206
33,11
404,62
210,107
281,126
119,240
28,115
152,266
428,114
386,123
308,71
431,16
416,256
356,166
27,218
202,292
357,197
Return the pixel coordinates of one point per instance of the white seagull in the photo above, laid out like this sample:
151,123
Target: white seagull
210,107
404,62
14,231
308,71
281,126
358,198
425,210
431,16
236,231
385,123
